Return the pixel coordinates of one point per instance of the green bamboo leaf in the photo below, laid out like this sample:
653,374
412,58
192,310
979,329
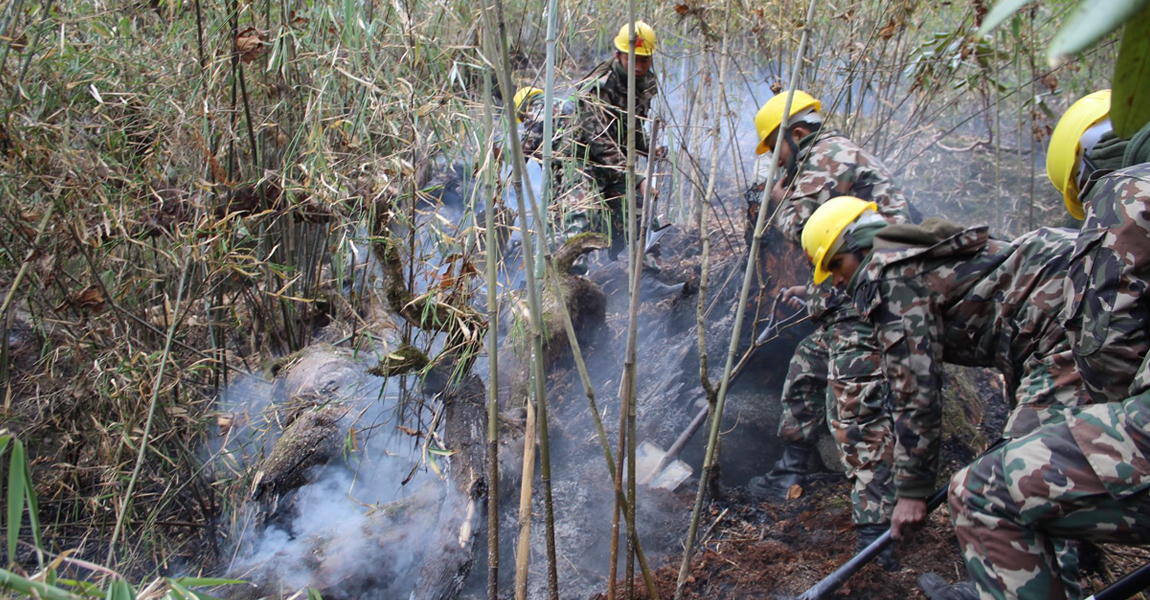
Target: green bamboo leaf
84,588
1090,21
15,497
120,590
27,587
999,14
1130,100
4,443
177,591
313,594
33,504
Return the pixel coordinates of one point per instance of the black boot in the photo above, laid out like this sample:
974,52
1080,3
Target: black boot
865,535
790,469
936,588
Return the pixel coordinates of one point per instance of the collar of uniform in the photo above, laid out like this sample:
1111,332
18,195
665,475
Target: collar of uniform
617,70
858,272
810,139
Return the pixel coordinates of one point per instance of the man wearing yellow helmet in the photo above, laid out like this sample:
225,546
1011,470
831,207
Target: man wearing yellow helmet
598,140
821,164
1101,180
528,102
938,292
1088,477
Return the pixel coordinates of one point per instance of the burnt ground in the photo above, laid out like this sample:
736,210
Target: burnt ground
778,550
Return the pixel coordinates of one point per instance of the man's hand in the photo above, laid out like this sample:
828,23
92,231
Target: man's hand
909,515
779,192
643,190
795,296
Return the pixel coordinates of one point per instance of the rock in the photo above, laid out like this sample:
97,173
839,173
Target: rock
321,371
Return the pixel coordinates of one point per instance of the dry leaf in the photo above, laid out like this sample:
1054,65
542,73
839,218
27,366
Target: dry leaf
795,492
682,9
90,298
251,44
1050,81
777,87
409,431
295,21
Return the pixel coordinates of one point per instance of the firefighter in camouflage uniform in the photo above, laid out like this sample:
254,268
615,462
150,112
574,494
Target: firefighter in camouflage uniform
596,144
820,164
1088,477
934,292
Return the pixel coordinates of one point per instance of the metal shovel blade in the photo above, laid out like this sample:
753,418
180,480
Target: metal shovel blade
647,458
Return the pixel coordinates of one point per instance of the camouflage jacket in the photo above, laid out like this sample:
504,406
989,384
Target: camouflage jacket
968,300
532,127
836,166
1106,292
595,141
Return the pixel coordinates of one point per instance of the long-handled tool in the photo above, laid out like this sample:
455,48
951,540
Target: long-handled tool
661,469
832,582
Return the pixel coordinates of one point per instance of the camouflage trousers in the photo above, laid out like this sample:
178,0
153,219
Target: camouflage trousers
859,417
804,396
600,212
836,378
1014,508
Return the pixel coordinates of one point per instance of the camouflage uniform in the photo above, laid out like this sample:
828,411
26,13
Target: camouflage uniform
1107,317
835,166
858,416
1086,478
975,302
591,158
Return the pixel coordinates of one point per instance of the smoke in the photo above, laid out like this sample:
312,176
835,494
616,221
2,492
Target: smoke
358,525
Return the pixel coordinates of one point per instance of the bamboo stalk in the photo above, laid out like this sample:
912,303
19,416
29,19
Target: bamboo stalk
732,349
581,367
704,234
540,218
535,313
490,258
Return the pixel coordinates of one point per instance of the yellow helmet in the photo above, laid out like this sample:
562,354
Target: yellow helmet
770,116
822,232
521,98
1065,152
644,39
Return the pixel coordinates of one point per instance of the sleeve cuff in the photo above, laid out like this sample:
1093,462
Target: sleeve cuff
915,489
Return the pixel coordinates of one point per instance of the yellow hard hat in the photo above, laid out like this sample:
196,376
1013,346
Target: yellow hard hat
826,225
769,117
521,98
644,39
1064,153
